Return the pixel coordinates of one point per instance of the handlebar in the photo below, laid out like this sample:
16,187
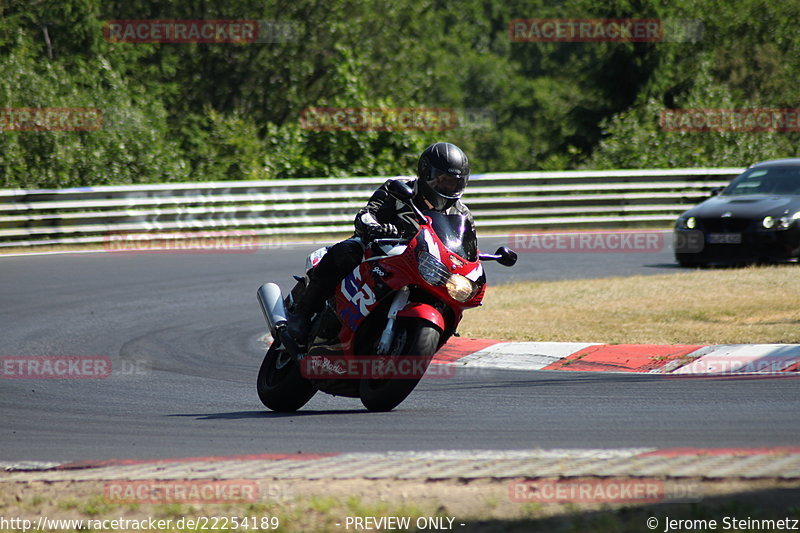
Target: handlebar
391,240
503,255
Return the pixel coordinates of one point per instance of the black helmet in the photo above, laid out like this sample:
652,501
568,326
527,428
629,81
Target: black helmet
442,175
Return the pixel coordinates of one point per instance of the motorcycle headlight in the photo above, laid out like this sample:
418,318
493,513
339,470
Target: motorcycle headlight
460,288
432,270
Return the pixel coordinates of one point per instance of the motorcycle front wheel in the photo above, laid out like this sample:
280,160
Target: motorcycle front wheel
280,385
413,338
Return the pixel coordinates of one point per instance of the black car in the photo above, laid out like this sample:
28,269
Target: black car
754,219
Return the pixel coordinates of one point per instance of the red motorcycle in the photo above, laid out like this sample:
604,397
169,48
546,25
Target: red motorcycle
379,331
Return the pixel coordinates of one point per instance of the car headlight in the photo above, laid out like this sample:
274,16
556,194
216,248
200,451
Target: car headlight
687,223
787,221
784,222
460,288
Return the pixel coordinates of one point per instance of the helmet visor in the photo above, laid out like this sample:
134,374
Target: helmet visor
448,185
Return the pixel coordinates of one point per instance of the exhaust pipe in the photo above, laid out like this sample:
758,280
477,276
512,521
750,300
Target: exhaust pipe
271,300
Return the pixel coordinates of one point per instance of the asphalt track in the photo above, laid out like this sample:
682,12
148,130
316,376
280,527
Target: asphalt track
183,333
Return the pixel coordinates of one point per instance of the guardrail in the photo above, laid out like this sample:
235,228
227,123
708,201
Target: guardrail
300,207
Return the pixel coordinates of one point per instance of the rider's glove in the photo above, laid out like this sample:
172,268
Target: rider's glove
382,231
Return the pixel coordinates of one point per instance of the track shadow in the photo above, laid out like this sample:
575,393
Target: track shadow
238,415
671,266
764,508
721,266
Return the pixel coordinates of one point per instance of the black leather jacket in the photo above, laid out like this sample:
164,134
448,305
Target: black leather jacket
382,208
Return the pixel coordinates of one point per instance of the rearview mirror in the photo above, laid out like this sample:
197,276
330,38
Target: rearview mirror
400,190
715,191
506,256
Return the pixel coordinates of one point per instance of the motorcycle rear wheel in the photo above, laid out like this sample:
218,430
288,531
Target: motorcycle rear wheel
419,339
280,385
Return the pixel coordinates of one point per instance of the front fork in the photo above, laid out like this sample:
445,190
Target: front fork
387,337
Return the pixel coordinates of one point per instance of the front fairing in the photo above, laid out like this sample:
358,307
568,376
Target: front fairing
445,250
460,253
456,233
439,244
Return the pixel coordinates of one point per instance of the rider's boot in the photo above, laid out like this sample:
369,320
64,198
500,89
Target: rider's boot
311,301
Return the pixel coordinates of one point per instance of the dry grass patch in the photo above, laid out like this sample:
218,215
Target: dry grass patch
482,505
719,306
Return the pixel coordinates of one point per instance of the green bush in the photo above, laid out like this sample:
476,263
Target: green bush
204,111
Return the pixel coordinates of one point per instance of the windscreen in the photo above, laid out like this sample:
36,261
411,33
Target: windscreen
766,180
456,233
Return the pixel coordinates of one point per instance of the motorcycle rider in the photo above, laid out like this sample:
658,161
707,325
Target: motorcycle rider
442,176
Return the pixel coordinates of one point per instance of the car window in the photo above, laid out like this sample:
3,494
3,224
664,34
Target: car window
772,180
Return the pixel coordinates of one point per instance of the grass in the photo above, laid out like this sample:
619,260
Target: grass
714,306
482,506
96,506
